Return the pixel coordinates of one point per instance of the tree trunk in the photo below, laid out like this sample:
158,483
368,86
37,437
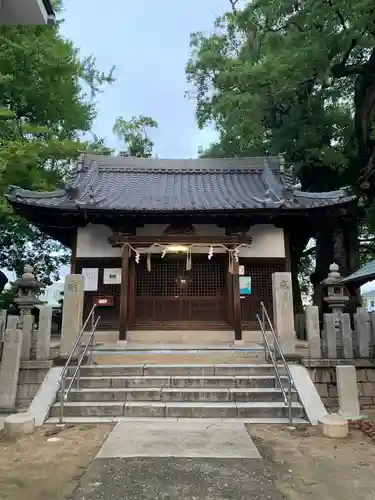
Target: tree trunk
353,262
364,101
339,251
324,258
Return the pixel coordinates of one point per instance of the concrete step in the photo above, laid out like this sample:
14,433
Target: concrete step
175,394
230,381
203,356
175,370
109,420
178,409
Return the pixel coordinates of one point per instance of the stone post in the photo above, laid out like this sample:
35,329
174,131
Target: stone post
283,314
12,322
9,369
43,338
363,329
72,312
27,334
313,332
3,318
348,392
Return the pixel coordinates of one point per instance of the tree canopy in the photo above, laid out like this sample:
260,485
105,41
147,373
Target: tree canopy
283,77
46,105
135,135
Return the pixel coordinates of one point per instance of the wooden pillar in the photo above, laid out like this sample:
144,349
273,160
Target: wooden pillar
237,322
288,260
124,294
229,291
131,314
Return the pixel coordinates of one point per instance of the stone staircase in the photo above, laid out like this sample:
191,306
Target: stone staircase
109,392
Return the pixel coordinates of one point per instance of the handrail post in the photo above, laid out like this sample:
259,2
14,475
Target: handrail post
91,347
78,375
62,396
290,410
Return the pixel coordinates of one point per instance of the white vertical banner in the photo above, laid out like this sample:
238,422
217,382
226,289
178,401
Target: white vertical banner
91,277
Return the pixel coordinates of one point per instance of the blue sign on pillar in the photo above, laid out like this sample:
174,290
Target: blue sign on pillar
245,285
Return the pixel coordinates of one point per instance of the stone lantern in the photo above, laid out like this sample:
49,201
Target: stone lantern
27,288
334,291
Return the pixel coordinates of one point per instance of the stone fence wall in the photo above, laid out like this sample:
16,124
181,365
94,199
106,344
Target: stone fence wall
24,357
30,377
337,339
323,374
342,341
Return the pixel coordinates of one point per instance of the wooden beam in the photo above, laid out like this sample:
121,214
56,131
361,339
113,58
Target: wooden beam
119,239
237,322
124,293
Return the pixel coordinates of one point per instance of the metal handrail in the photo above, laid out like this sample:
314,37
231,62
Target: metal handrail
77,344
65,393
287,396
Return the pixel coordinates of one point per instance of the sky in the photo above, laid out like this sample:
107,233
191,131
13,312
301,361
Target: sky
148,43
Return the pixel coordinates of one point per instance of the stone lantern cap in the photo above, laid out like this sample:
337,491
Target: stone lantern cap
27,287
27,280
334,277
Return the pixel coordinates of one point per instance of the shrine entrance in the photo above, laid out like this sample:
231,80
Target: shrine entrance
170,295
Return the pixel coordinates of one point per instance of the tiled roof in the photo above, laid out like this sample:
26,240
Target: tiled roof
365,273
153,185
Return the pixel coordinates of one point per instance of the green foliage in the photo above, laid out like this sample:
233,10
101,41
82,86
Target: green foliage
46,105
134,133
6,298
305,269
280,77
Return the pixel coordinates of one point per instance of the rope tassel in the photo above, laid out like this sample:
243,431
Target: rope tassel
149,262
230,262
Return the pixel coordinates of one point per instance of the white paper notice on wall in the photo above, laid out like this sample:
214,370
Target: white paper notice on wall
241,270
91,276
112,277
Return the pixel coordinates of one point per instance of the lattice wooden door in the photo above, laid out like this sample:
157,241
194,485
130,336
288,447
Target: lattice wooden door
170,293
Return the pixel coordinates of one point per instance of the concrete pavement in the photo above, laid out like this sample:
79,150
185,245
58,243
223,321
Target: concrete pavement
178,460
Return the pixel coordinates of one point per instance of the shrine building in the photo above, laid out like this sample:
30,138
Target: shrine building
178,244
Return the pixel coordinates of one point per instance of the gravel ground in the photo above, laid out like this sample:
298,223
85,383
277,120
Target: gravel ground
312,467
37,469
